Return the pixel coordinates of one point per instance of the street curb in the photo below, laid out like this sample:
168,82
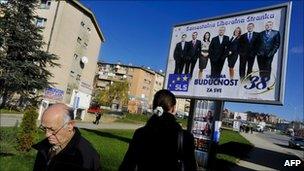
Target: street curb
13,115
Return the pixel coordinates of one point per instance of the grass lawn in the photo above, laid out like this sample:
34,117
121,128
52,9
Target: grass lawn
142,119
133,118
110,144
232,146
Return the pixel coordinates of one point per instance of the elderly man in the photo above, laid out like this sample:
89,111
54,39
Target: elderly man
63,148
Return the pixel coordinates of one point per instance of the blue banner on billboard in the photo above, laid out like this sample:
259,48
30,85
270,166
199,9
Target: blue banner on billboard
53,93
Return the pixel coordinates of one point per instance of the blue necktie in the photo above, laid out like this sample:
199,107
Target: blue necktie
250,36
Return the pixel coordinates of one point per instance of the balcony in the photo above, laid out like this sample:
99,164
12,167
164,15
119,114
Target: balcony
121,71
102,84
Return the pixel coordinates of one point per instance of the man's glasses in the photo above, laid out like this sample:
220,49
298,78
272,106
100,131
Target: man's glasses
51,130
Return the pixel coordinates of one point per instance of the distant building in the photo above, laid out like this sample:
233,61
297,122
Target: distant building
273,119
240,116
71,31
143,84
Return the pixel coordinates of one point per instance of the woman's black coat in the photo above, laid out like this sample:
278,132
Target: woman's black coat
154,147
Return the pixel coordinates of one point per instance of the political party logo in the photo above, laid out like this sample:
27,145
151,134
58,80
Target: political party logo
178,82
259,81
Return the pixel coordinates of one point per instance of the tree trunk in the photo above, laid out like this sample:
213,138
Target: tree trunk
4,99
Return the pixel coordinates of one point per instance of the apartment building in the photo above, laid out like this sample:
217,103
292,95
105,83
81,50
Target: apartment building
71,31
143,84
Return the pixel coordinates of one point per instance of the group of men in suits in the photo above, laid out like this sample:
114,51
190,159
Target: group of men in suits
186,54
252,44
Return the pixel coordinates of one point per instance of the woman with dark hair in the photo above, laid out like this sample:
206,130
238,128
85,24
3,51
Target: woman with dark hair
155,146
234,50
203,60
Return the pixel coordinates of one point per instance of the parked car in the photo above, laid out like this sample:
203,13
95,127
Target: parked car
296,142
94,109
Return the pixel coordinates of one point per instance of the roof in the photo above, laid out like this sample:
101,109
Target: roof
131,66
91,15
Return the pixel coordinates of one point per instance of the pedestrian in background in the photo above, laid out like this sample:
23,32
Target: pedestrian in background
98,116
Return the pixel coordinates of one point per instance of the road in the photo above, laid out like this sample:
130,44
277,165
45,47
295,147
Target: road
267,155
282,141
12,120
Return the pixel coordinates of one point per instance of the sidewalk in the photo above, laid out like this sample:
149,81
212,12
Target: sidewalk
265,156
13,120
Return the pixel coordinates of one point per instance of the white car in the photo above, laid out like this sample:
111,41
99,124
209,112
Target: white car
260,128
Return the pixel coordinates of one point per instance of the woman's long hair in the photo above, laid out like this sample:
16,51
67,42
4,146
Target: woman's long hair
166,100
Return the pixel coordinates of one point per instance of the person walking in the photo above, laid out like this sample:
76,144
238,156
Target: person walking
98,116
63,148
155,146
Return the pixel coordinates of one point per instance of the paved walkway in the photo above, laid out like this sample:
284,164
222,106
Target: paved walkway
265,156
7,120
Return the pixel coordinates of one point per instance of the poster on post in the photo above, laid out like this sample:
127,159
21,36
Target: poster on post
239,57
203,121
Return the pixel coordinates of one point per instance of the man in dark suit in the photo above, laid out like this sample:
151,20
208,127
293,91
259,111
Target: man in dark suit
249,43
218,51
195,47
270,43
180,55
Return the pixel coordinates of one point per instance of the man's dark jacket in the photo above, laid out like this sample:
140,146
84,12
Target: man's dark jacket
181,54
77,155
194,51
219,51
249,48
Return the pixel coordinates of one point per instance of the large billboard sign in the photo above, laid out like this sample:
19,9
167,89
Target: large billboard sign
239,57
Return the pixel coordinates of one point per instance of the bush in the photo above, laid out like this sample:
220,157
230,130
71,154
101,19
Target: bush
28,130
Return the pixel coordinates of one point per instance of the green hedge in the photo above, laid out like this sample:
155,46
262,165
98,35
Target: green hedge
28,130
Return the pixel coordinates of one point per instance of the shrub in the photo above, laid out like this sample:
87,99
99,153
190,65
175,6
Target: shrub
28,130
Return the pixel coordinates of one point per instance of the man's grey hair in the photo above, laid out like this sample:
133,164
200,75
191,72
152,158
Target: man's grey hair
68,116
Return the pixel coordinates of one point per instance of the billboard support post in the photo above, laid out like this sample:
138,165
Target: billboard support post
218,107
191,114
215,135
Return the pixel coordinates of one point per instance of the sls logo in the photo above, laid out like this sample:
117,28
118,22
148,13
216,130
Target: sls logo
292,162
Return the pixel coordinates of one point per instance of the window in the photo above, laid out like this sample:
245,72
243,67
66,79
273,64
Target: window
45,4
68,91
40,22
85,45
89,30
78,39
72,73
82,24
78,77
75,56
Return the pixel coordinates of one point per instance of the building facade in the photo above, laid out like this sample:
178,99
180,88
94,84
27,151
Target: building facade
70,31
143,84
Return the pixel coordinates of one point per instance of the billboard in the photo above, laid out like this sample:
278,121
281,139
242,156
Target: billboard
239,57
